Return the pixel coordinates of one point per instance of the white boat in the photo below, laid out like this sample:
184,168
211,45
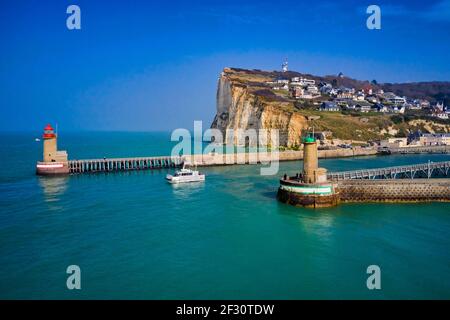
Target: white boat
185,175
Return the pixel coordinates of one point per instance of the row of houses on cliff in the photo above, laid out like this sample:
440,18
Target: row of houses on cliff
337,98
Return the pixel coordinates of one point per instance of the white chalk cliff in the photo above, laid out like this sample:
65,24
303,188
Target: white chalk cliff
239,106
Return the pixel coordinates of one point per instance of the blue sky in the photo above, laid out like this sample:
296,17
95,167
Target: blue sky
153,65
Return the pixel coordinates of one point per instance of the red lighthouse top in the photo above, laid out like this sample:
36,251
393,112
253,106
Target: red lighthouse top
48,132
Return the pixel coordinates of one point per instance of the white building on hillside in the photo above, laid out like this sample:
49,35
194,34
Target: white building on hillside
312,88
303,81
394,99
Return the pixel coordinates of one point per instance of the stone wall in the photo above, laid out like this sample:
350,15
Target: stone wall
253,158
401,190
307,201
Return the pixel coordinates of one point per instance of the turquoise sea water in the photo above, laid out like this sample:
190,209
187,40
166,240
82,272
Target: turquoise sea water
136,237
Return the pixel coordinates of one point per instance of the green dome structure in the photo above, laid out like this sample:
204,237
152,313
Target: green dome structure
309,138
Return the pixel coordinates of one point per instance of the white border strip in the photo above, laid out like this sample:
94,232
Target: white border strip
50,166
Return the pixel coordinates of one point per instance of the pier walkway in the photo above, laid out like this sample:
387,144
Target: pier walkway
124,164
201,160
423,170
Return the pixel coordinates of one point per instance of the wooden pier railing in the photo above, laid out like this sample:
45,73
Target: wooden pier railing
124,164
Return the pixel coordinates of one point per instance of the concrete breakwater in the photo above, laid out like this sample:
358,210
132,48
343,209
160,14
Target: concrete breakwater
315,188
56,162
386,190
258,157
417,150
393,190
149,163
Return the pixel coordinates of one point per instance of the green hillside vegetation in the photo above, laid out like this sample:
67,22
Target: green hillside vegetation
349,124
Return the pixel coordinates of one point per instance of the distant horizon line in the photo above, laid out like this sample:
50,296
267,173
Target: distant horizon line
87,131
